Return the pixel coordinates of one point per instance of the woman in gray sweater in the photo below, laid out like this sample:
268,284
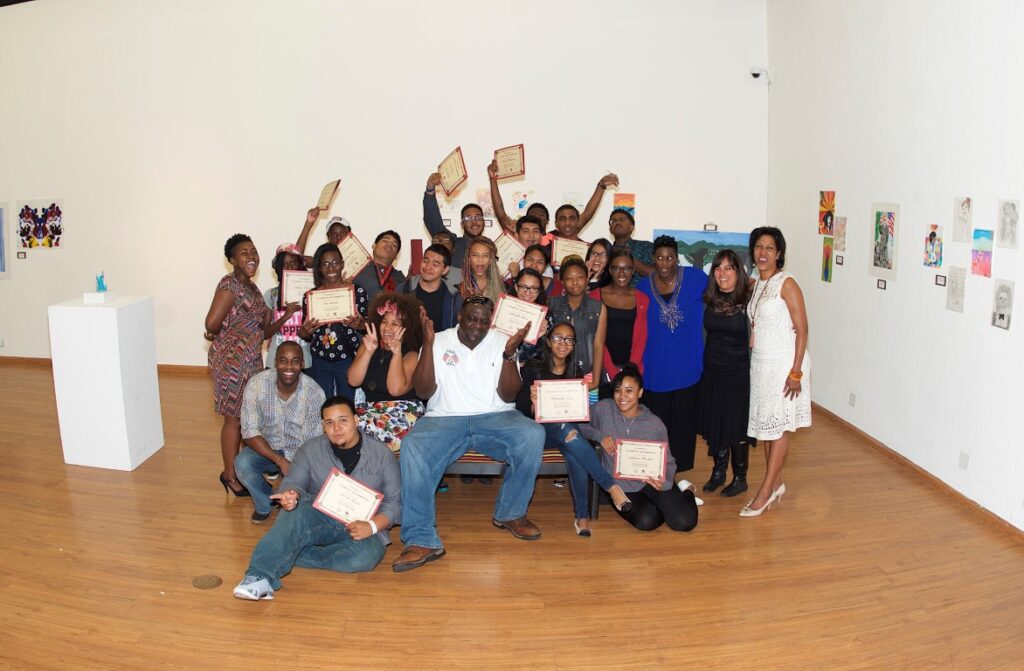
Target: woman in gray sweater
623,418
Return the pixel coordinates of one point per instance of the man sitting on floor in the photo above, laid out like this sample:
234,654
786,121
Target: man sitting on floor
304,536
470,376
280,412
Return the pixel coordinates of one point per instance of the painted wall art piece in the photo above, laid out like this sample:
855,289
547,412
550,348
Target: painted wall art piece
933,247
1002,303
574,198
483,199
1008,225
5,244
839,234
521,201
962,219
981,253
956,283
826,212
885,229
826,259
625,201
40,224
698,248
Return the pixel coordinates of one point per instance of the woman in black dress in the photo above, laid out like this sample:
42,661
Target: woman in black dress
724,395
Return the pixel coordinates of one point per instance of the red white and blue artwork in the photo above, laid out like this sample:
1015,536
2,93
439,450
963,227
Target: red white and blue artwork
40,224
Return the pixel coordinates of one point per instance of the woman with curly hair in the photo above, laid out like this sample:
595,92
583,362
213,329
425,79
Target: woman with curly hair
384,365
480,274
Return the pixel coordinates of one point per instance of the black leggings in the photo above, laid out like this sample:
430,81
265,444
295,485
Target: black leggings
678,412
651,507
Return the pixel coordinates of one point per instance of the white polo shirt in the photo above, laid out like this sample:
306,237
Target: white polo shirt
467,379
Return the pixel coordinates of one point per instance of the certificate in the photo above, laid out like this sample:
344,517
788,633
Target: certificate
331,305
511,314
509,251
294,286
354,255
562,401
640,459
346,499
563,247
511,161
327,195
453,171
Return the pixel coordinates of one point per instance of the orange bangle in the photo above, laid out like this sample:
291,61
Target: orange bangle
795,376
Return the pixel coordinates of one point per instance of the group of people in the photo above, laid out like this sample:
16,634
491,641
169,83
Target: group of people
666,351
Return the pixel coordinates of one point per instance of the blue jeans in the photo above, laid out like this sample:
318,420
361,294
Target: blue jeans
308,538
435,442
250,466
332,376
581,461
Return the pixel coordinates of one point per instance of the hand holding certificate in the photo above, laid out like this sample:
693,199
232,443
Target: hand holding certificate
346,499
331,305
562,401
509,251
294,285
453,171
512,314
353,254
563,247
511,161
640,460
327,195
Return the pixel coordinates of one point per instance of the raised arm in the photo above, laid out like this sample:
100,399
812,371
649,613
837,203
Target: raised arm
798,314
423,380
401,368
510,382
496,202
595,199
431,211
357,371
311,218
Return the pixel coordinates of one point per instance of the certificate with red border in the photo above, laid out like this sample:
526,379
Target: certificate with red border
294,285
346,499
354,255
331,305
510,250
453,171
563,247
511,161
511,314
640,459
327,195
562,401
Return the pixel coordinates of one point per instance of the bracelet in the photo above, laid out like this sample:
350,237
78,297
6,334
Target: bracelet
373,528
511,358
796,376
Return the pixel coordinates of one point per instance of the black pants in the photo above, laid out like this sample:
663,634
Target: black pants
678,412
651,508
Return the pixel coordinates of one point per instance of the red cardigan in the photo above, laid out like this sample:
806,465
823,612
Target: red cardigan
636,351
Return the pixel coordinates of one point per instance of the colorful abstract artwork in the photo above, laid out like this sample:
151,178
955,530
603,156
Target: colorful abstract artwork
40,224
625,201
885,229
933,247
826,211
826,258
981,253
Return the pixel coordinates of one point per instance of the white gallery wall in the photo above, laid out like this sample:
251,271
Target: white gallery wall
915,102
167,126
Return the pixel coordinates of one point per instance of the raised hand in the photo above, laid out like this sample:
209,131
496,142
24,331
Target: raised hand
307,328
312,215
492,169
370,340
515,341
611,179
428,328
396,341
433,181
291,308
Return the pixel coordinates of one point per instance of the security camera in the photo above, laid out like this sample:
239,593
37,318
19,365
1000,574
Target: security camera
756,73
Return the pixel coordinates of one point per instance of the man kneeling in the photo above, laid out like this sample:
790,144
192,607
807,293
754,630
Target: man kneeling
470,376
304,536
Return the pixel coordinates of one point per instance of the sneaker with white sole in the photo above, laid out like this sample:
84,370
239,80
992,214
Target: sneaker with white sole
254,589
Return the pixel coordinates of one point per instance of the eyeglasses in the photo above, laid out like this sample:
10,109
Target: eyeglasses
330,264
559,339
524,289
475,217
600,255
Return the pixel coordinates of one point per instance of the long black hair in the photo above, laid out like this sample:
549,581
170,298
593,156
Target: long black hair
542,296
546,361
605,278
318,277
734,301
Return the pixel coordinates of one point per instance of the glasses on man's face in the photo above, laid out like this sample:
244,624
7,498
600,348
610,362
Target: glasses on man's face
525,289
475,217
621,269
559,339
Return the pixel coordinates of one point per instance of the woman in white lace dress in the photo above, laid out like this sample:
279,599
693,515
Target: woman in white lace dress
780,367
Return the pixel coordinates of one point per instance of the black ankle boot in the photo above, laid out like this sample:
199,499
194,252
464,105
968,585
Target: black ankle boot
721,457
740,459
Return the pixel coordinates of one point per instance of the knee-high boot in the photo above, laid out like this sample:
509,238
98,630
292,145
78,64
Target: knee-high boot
740,459
721,457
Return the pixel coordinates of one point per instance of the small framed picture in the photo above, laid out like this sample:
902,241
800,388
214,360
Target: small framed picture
839,259
447,223
711,226
488,223
881,284
21,255
940,280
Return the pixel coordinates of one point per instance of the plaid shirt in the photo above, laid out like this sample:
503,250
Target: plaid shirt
286,425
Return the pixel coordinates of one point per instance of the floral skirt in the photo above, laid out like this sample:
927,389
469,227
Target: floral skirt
388,421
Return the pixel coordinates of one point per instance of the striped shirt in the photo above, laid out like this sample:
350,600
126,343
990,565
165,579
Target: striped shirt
286,425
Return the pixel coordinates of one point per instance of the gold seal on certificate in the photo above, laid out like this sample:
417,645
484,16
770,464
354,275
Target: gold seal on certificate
563,247
562,401
453,171
327,195
511,314
640,459
332,305
353,254
346,499
509,251
294,285
511,161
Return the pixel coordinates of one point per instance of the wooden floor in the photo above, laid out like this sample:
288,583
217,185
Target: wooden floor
865,566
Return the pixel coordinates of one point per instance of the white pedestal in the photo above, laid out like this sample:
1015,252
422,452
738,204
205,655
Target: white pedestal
104,376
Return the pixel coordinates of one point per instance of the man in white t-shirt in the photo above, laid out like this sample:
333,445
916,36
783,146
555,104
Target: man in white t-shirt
470,376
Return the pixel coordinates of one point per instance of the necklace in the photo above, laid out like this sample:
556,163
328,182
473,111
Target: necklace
629,422
757,305
669,313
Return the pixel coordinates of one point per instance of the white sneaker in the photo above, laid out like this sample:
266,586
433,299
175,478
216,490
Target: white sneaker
254,589
684,485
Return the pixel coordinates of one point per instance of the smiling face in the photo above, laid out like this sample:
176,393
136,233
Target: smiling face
627,396
621,270
567,221
331,266
432,267
385,250
766,255
389,325
245,258
340,426
575,281
288,362
473,221
535,259
337,232
529,234
474,323
480,259
562,340
528,288
725,277
598,257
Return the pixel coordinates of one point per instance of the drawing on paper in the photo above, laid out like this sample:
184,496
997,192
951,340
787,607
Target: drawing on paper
839,234
885,227
962,219
1002,304
956,281
1009,218
933,247
826,211
625,201
981,253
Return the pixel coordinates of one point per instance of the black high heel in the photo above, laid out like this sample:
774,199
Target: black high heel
230,490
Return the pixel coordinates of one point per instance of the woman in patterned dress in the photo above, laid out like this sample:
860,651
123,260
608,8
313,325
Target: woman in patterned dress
384,365
237,324
780,367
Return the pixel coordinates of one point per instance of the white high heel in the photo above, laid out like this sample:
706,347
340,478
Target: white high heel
756,512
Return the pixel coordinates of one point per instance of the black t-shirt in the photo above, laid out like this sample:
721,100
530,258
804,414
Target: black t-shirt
433,301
